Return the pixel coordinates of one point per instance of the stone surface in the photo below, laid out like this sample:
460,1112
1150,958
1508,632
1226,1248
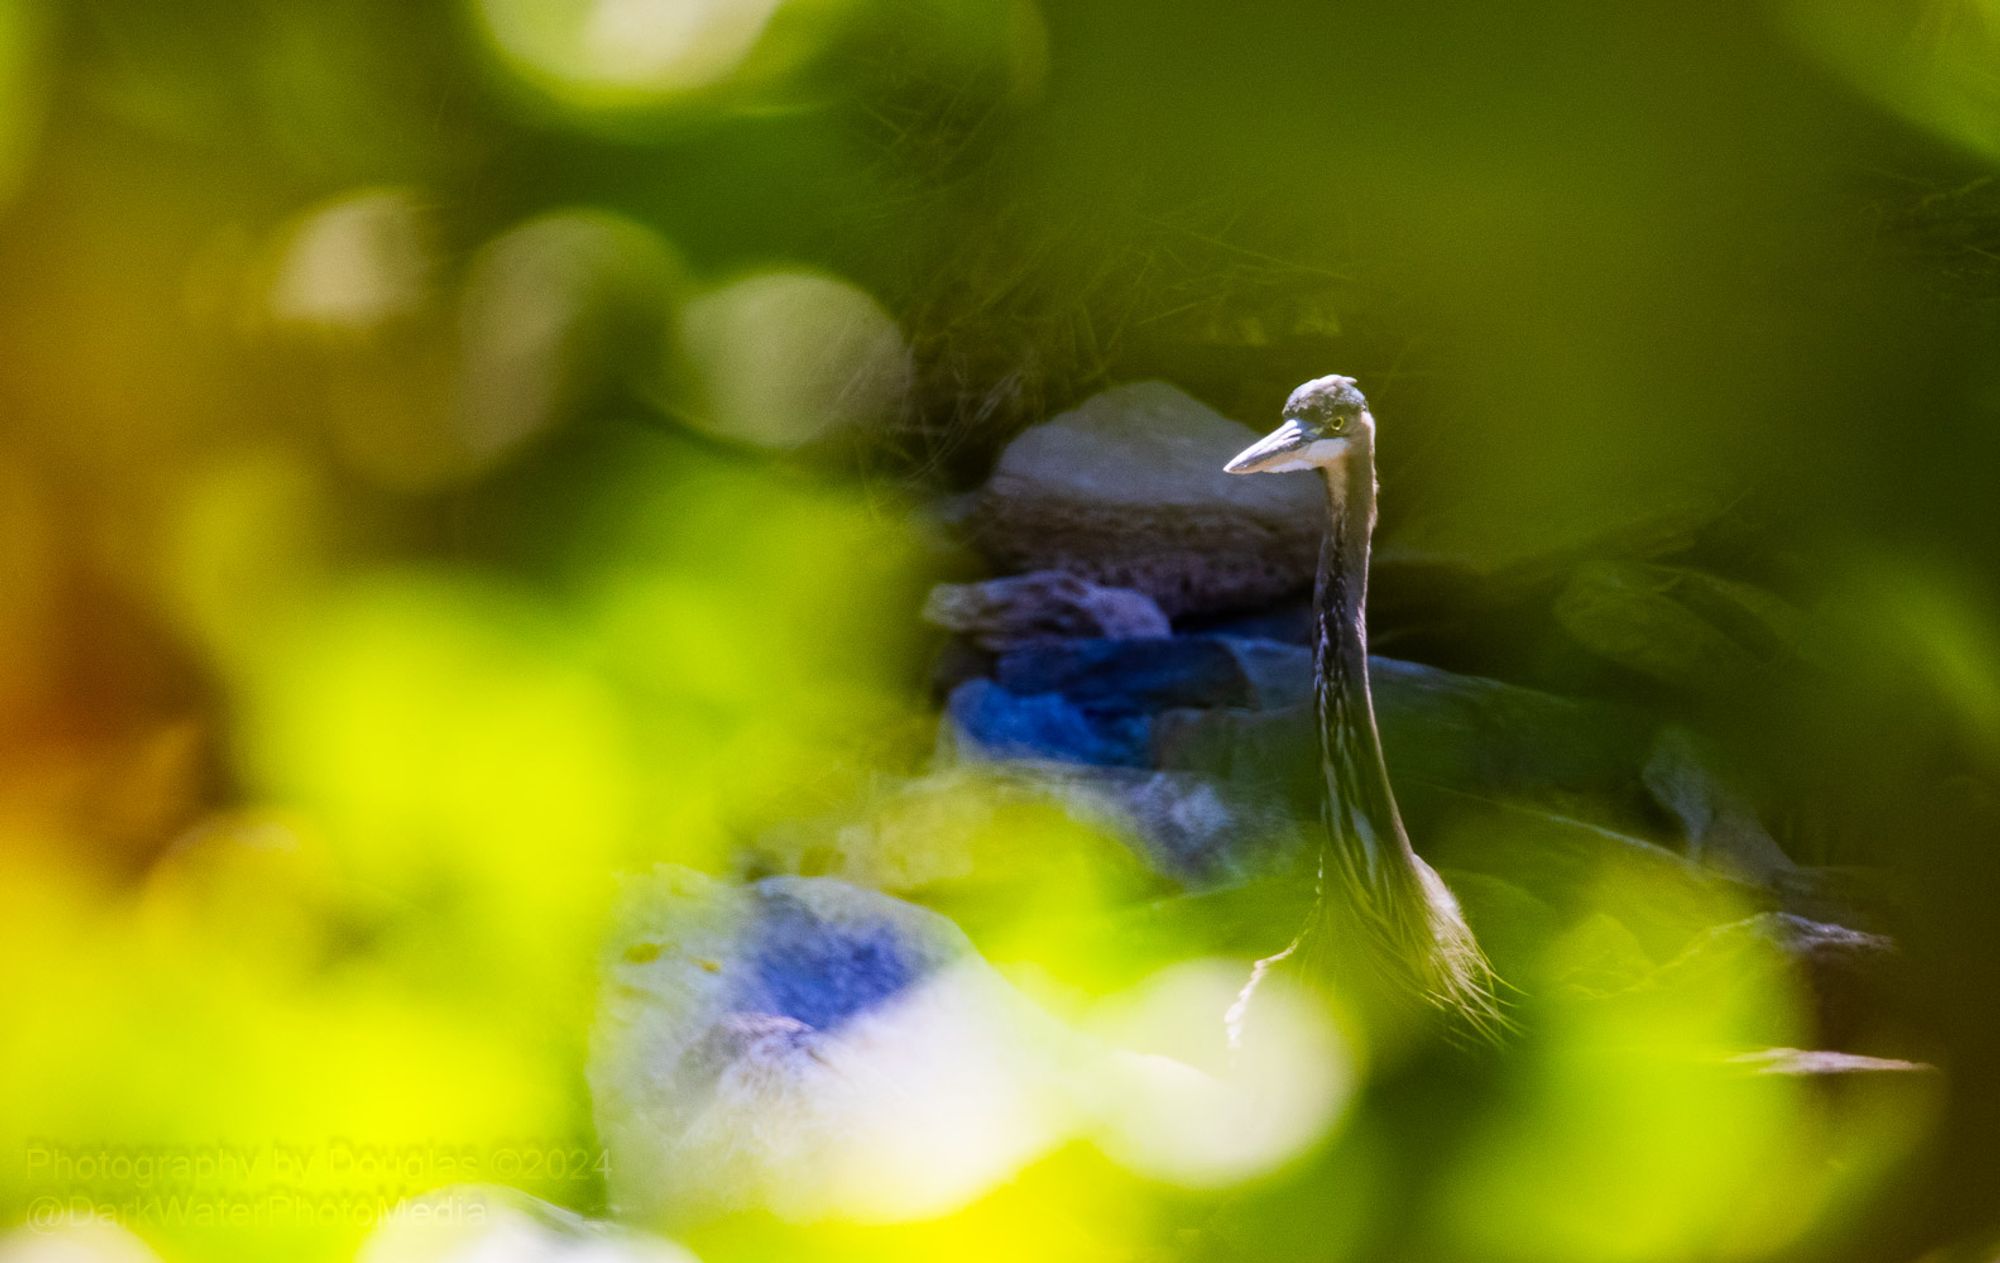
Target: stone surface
958,832
1192,832
1185,827
1262,752
1580,868
1439,729
1684,628
813,1049
1814,944
1480,541
1848,973
1535,945
1127,490
1137,676
999,614
1856,897
985,721
1722,827
1824,1063
956,836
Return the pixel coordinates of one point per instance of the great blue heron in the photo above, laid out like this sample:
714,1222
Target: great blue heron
1384,928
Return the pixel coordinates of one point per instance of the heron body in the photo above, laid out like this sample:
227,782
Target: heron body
1384,929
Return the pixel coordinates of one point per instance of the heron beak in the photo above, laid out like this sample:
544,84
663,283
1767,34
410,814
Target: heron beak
1280,451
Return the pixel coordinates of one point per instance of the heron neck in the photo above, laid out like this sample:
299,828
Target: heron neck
1360,807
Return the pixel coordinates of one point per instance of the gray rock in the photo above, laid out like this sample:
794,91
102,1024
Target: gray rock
1513,926
1848,973
954,837
957,831
1186,827
1823,946
1279,673
789,1045
1685,628
1193,832
1819,1063
1722,826
1000,614
1490,737
1262,752
1481,546
1857,897
1540,792
1127,490
1572,952
1439,730
1582,868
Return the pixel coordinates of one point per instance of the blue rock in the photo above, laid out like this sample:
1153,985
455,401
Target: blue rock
993,722
755,1045
819,970
1145,675
810,950
1279,674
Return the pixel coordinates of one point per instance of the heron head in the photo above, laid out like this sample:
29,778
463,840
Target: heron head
1322,418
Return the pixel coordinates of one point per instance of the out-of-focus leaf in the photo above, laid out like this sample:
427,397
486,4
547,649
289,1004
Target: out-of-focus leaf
558,314
23,76
782,359
622,55
1930,60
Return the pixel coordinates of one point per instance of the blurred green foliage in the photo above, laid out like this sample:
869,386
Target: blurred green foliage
453,453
